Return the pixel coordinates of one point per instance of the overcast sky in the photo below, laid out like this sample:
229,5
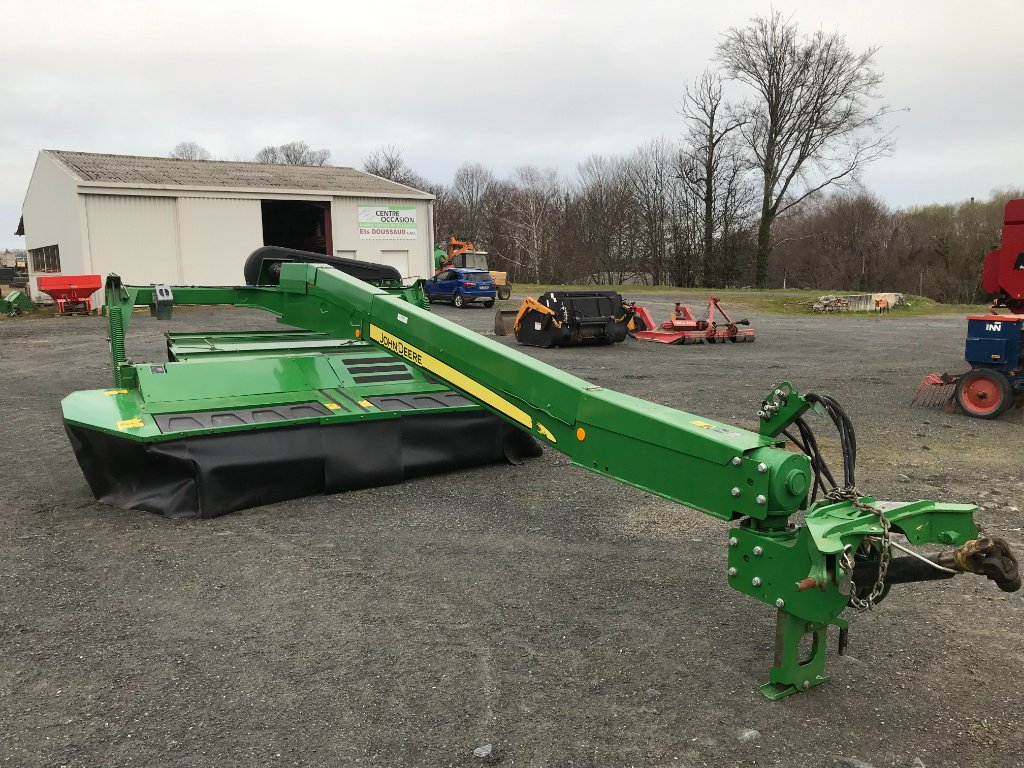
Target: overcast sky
501,83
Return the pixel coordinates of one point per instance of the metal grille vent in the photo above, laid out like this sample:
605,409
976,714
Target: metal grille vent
378,369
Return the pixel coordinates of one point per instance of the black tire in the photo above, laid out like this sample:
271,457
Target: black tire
504,294
459,302
489,303
984,393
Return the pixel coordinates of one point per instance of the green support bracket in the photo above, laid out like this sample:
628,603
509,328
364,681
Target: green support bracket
794,672
780,408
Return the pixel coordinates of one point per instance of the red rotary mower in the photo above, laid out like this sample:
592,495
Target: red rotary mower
686,328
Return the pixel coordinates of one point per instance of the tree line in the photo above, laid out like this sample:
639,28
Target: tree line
761,188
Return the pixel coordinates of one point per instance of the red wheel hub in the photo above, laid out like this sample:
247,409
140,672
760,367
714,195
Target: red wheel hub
982,395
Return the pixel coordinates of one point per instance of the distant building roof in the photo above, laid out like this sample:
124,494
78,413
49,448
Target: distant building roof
133,170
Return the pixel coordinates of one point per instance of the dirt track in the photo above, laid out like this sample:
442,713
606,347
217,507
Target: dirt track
565,619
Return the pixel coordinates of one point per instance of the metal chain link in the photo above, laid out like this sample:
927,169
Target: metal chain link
846,561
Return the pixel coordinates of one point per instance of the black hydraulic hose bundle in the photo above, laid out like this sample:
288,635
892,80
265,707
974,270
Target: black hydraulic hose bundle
807,442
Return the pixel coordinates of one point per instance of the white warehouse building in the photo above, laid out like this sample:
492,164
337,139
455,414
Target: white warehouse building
194,222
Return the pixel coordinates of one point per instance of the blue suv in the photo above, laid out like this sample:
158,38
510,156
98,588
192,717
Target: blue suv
461,286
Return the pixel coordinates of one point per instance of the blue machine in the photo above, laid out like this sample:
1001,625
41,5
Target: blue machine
995,351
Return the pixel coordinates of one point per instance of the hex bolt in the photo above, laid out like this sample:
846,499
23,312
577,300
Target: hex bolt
756,581
735,491
761,499
780,603
762,467
758,551
733,541
732,571
736,461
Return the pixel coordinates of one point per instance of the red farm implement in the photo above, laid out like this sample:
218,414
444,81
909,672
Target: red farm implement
73,293
686,328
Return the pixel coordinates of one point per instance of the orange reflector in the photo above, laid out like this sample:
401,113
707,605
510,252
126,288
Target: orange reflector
359,332
581,434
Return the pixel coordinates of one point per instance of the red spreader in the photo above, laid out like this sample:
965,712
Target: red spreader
73,293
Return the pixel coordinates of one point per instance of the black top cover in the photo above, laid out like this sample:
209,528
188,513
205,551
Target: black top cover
364,270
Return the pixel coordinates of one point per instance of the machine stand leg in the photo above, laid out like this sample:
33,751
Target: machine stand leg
791,673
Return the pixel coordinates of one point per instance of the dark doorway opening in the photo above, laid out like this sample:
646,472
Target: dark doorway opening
300,224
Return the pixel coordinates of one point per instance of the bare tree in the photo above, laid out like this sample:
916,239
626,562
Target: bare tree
533,211
811,123
711,167
293,153
651,176
603,205
270,155
388,163
189,150
470,189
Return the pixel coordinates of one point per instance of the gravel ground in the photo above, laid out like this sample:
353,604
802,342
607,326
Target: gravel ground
557,616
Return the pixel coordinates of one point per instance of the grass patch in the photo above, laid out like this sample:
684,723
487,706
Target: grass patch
788,301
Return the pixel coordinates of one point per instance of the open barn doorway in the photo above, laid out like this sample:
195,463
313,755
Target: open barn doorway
301,224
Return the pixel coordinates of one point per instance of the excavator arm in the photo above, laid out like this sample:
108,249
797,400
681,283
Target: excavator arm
839,555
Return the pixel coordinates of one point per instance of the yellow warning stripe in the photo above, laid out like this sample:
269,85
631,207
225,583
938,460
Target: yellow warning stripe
130,424
456,378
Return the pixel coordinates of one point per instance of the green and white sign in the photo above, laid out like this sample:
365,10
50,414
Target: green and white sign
387,222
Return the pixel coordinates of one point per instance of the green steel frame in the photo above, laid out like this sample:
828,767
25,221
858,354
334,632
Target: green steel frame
730,473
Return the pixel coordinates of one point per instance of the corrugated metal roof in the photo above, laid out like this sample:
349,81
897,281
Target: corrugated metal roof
218,174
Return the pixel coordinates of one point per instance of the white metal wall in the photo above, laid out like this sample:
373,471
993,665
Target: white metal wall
216,235
414,258
53,216
134,236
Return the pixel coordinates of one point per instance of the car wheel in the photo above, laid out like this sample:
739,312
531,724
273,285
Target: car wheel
983,393
504,293
489,303
459,301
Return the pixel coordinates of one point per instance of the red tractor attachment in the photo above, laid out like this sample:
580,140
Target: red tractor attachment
73,293
685,328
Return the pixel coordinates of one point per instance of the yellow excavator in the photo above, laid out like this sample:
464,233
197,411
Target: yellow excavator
464,254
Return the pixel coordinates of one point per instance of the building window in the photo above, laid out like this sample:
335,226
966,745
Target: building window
46,259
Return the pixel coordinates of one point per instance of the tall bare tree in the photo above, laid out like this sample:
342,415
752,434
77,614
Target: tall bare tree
189,150
813,119
602,206
711,166
532,218
470,188
293,153
652,171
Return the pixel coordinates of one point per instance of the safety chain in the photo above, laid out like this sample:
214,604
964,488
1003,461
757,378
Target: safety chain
846,561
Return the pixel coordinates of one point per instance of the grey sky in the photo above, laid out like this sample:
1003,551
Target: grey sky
504,84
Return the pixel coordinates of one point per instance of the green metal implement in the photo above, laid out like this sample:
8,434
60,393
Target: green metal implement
14,303
803,570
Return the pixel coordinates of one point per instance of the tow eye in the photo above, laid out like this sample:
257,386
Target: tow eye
990,557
